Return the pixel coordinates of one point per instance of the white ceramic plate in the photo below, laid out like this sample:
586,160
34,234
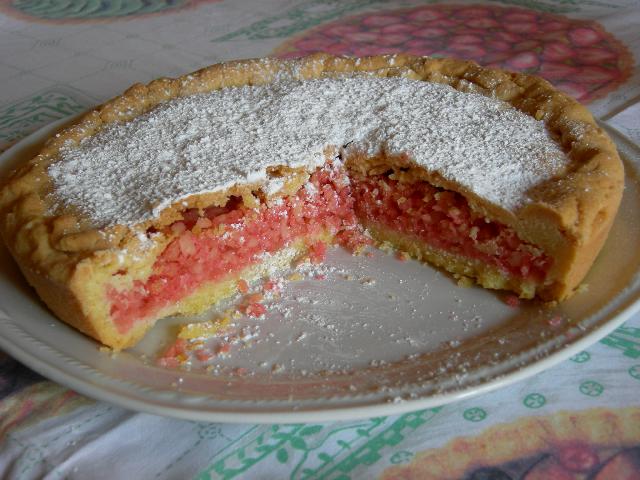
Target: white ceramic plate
376,337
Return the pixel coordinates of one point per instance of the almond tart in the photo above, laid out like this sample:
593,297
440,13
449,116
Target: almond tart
160,200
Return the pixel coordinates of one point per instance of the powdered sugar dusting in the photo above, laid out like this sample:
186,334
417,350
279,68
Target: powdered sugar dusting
129,172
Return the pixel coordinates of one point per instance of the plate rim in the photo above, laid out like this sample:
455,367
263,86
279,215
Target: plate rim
87,388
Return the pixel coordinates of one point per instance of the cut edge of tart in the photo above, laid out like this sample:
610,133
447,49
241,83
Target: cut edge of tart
112,280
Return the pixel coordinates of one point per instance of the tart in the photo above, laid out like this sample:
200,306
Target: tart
161,200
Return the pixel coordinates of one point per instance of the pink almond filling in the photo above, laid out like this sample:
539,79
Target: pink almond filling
443,220
234,237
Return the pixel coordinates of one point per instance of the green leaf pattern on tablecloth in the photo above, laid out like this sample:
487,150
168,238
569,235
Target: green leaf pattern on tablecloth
21,118
89,9
475,414
626,339
581,357
534,400
320,451
591,388
403,456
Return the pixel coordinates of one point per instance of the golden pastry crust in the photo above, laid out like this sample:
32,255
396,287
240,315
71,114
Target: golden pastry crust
569,217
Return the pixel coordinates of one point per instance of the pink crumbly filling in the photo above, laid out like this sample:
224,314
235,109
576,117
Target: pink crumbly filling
233,237
443,220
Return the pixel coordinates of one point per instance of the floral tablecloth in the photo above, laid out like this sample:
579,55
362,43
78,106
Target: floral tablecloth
580,419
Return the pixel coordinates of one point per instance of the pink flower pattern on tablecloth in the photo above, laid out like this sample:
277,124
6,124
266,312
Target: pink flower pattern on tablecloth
578,56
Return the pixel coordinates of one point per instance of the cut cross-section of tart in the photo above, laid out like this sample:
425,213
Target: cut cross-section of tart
161,200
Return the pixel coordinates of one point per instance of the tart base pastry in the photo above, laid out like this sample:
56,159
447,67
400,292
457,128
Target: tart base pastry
161,200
